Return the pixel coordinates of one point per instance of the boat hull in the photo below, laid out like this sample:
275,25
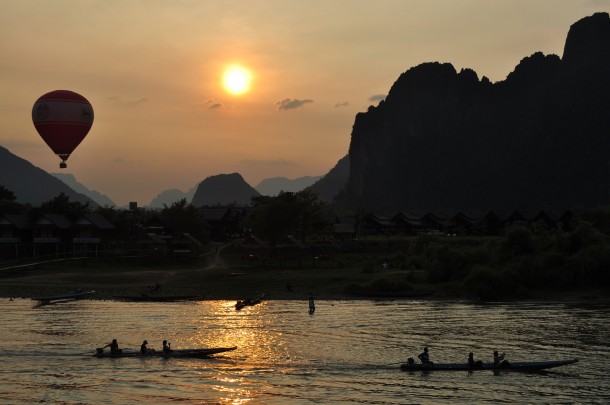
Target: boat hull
64,297
516,366
153,298
186,353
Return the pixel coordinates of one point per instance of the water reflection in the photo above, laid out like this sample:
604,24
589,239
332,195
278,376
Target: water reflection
347,352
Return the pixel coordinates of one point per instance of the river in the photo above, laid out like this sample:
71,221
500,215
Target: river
347,352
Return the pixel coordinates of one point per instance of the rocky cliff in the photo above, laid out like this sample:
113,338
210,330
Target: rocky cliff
223,189
447,141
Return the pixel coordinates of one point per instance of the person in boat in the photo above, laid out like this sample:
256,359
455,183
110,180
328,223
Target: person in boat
167,347
143,348
114,347
312,304
472,363
499,360
424,357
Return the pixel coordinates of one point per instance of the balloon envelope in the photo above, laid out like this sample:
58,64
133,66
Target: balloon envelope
63,119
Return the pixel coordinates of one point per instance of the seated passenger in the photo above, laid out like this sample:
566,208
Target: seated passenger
499,360
143,348
472,363
167,347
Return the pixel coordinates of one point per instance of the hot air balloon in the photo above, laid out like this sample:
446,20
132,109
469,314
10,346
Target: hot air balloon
63,119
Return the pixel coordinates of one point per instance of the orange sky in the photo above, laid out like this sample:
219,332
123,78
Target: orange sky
153,71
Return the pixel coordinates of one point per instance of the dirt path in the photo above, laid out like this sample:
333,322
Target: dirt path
218,261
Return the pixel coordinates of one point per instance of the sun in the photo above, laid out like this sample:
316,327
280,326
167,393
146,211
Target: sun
236,80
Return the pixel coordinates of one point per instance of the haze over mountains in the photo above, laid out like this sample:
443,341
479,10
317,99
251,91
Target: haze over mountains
31,184
444,141
34,186
96,196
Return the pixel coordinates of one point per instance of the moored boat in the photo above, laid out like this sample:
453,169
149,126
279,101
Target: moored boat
185,353
513,366
75,295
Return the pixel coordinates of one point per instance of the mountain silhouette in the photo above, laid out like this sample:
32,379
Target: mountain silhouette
223,189
31,184
332,182
168,197
96,196
447,141
274,185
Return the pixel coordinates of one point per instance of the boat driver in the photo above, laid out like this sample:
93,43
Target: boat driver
114,347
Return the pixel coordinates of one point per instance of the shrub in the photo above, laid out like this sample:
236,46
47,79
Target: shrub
518,241
487,283
583,236
381,286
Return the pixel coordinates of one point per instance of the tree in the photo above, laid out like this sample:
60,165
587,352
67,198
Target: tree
63,206
8,203
300,214
6,194
181,217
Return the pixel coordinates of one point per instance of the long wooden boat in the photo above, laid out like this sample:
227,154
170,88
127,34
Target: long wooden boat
188,353
154,298
516,366
64,297
249,302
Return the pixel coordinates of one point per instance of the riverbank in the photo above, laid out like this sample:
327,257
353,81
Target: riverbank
200,281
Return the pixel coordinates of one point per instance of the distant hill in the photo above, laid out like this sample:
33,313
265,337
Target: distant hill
333,182
447,141
168,197
223,189
31,184
273,186
96,196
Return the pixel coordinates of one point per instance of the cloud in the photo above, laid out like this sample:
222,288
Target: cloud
269,162
291,103
212,104
119,100
377,97
342,104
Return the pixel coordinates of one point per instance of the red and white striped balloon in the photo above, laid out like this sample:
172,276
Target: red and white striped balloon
62,118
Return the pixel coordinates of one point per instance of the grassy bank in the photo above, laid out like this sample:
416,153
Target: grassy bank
428,268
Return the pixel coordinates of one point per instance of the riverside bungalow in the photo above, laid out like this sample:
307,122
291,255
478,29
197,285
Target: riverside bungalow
435,223
344,227
15,236
90,234
224,221
186,245
51,235
375,223
466,223
409,224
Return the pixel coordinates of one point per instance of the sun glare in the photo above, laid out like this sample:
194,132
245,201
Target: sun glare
236,79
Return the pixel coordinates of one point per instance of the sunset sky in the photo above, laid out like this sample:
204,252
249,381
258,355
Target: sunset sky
153,71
